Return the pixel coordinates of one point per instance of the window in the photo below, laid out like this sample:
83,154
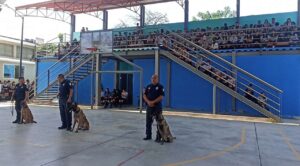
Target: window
28,53
6,50
12,71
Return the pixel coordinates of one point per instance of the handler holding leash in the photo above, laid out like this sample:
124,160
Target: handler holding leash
20,95
153,96
65,97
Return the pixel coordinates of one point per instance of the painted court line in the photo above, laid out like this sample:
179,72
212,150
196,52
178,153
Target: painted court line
291,146
132,157
214,154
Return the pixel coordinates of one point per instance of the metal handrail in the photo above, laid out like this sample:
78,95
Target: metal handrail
223,67
236,87
228,63
83,60
63,58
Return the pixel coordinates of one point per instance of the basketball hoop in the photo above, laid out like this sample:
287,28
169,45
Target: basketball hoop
92,49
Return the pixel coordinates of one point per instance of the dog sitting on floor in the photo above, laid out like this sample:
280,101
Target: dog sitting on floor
26,115
79,118
163,131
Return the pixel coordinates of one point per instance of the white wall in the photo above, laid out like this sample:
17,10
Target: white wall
29,72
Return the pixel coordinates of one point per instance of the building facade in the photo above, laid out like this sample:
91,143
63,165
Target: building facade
10,52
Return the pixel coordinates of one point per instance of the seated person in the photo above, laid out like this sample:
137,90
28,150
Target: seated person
262,100
219,75
124,96
114,98
206,66
107,98
250,93
231,83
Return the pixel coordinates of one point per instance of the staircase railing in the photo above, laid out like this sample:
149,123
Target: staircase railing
62,66
224,71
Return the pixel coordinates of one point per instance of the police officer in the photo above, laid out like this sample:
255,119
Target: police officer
153,96
65,95
20,95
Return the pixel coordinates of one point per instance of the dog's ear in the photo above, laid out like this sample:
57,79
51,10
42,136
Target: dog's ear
75,104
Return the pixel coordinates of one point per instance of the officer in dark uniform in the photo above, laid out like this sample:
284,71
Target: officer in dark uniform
65,95
20,95
153,96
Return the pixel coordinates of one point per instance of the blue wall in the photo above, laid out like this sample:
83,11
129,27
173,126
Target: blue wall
281,71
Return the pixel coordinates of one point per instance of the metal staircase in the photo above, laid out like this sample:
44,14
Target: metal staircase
74,67
223,74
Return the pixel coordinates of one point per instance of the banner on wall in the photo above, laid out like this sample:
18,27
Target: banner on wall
102,40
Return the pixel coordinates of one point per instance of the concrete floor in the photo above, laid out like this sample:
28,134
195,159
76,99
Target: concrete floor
115,139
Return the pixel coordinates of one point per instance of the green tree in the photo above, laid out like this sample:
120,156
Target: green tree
152,18
61,37
225,13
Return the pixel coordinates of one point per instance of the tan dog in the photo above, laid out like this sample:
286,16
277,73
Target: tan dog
79,117
164,133
26,115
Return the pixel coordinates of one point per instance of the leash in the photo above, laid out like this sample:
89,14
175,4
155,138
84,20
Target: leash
12,108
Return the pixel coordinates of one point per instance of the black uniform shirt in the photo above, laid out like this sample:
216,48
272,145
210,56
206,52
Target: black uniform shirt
64,89
20,92
153,92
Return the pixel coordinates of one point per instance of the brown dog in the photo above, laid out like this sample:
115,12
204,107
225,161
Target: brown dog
164,133
79,117
26,115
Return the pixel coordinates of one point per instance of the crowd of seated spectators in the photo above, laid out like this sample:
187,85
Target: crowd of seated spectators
7,88
261,99
64,48
260,35
116,98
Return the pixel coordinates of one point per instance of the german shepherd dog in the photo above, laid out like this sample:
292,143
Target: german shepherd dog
164,134
26,115
79,117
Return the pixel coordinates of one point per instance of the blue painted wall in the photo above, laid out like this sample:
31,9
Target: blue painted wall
281,71
189,92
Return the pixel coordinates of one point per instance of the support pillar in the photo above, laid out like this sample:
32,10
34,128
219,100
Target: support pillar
105,19
142,16
238,10
298,13
73,26
186,15
168,86
235,77
214,99
157,62
98,80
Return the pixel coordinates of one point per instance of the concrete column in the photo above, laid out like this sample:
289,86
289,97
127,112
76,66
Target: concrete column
168,86
98,80
238,10
142,16
73,26
235,76
15,51
186,15
105,19
298,15
214,99
157,62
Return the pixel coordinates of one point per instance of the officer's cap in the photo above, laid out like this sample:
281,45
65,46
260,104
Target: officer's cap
61,76
21,78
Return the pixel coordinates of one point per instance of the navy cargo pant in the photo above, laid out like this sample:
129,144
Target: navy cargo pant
18,108
152,113
66,116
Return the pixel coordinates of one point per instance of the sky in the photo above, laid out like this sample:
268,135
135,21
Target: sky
48,29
